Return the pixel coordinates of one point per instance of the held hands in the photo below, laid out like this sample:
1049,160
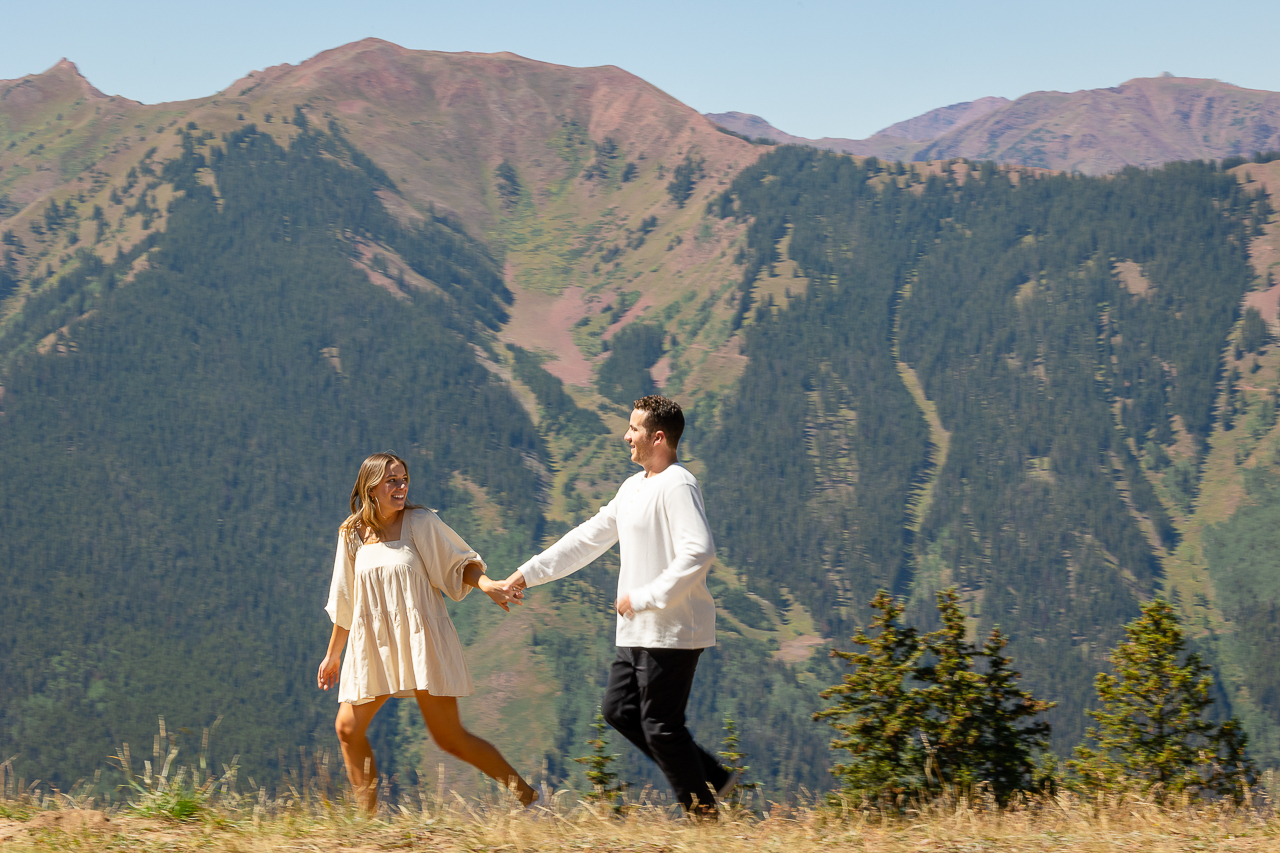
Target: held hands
623,606
515,586
499,592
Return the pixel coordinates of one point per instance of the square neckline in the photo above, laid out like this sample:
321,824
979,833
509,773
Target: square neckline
404,517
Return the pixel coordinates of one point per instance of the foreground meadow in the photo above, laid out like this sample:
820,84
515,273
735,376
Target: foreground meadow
451,823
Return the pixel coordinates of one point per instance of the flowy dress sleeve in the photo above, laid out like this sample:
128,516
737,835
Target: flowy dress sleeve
444,553
341,606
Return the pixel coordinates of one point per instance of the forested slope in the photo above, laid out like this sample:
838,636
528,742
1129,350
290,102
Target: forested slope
896,377
1055,381
172,481
173,468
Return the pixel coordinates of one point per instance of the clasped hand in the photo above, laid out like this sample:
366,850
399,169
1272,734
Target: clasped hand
505,593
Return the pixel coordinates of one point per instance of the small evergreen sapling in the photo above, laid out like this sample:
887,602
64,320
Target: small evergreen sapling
605,787
735,758
1152,732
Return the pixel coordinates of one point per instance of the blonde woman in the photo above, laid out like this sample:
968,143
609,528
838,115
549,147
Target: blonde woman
394,561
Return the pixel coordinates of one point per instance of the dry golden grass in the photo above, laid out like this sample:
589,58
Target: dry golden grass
447,823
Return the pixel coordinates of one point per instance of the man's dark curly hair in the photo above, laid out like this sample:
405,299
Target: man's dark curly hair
662,414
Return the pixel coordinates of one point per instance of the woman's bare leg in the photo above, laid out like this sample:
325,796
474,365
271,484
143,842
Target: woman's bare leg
352,726
440,713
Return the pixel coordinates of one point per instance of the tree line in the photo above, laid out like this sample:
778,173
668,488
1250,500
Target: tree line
919,715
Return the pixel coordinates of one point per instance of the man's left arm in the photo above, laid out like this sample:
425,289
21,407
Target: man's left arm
694,551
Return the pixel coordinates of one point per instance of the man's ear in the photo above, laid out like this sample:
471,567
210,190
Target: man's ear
659,437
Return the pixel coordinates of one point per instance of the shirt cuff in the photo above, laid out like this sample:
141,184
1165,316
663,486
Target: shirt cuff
533,573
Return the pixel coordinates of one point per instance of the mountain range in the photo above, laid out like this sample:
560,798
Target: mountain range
1143,122
899,373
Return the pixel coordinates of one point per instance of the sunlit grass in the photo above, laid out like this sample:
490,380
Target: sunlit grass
443,821
169,806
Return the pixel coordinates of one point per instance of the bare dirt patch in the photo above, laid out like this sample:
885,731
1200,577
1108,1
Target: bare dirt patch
661,371
798,649
543,323
1268,304
1130,275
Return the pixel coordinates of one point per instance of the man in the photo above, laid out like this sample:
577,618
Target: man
666,616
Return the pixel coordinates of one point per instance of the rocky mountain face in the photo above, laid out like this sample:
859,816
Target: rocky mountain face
589,154
1144,122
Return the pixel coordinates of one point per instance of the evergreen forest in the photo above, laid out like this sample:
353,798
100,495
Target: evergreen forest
192,441
996,293
962,387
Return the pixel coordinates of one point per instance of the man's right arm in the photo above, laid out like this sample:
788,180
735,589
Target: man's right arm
574,550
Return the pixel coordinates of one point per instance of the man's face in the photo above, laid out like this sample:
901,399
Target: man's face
638,437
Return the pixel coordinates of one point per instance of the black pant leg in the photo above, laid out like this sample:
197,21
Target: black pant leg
621,704
712,769
665,677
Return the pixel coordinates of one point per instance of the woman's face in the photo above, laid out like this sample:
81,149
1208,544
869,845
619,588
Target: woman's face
389,494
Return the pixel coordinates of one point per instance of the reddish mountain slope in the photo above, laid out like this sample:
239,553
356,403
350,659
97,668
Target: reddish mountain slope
897,141
1144,122
934,123
440,122
440,125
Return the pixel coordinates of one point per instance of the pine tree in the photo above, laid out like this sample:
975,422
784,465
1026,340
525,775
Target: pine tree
1152,732
920,728
876,714
605,787
978,725
735,761
1253,331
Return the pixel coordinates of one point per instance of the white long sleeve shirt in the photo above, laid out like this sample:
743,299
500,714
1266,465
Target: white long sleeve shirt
666,552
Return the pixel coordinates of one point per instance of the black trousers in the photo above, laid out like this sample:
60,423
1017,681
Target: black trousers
645,701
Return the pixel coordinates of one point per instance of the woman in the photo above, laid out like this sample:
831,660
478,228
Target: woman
394,560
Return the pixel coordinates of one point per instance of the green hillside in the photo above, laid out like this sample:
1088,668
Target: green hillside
173,481
1001,379
1058,385
173,473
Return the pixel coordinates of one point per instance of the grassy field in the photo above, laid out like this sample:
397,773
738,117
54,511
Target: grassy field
445,822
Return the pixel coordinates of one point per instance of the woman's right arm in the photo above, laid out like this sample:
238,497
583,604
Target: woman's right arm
328,675
340,610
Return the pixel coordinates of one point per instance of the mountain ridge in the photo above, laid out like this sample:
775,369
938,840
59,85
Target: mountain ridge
1142,122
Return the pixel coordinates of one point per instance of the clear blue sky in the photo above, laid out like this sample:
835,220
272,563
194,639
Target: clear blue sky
812,67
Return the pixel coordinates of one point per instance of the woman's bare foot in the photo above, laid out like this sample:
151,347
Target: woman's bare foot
526,794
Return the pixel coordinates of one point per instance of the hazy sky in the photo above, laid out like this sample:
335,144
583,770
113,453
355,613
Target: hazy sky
811,67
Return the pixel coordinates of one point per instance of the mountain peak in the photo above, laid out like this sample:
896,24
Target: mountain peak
60,84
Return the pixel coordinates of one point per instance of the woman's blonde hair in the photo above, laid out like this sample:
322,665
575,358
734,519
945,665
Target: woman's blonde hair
363,512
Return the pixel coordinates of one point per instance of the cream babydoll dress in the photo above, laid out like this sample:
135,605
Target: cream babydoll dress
389,596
